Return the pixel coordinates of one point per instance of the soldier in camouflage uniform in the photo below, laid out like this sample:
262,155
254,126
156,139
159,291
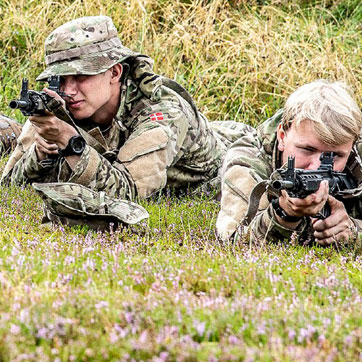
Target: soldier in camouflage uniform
132,132
9,132
318,117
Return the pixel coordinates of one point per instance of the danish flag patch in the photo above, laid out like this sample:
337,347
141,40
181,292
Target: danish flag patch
156,116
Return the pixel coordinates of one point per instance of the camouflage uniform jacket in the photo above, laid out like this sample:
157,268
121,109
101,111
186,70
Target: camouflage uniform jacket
9,132
158,137
249,161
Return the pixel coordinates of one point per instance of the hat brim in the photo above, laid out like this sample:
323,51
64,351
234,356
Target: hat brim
90,64
71,200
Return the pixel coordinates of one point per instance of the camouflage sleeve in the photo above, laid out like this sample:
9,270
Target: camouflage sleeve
238,183
358,228
354,209
9,132
13,171
237,180
245,166
92,170
97,173
156,144
265,228
27,169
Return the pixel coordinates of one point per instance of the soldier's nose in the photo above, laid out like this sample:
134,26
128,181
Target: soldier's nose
314,162
70,85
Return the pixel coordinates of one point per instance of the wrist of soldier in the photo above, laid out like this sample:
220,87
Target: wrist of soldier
282,217
63,142
287,224
65,136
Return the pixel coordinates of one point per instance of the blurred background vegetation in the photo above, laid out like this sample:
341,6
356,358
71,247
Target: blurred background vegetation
239,59
165,290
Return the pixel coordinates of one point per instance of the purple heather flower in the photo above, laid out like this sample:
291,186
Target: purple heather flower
200,327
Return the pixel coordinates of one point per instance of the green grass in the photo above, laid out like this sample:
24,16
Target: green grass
167,290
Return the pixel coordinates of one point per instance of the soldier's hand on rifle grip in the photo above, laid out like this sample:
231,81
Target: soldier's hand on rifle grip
308,206
43,148
52,129
55,95
335,227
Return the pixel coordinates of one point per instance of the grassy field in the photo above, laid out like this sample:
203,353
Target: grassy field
165,290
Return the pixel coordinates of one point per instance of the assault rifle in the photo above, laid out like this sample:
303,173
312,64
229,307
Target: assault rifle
37,102
301,183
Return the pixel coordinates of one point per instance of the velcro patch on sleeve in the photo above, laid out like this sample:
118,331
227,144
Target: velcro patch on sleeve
149,141
157,116
145,157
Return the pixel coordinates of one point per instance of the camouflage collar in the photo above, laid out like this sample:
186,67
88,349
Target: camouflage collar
268,136
129,93
139,81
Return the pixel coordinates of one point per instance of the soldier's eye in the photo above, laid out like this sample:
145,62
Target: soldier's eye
308,150
80,77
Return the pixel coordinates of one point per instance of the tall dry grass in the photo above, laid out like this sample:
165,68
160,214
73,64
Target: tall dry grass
165,290
240,59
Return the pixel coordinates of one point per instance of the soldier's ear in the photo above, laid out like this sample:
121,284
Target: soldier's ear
280,137
116,73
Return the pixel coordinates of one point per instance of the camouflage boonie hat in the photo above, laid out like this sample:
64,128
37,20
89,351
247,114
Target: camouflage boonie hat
87,46
73,204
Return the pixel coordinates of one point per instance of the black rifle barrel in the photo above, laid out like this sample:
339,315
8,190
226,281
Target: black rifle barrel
281,185
16,104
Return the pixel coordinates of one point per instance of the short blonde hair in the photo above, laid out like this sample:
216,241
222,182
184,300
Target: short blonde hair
336,116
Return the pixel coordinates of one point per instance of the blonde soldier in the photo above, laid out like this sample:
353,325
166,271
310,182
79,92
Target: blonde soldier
132,131
318,117
9,132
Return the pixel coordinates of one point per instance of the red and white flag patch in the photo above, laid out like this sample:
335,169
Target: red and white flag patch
156,116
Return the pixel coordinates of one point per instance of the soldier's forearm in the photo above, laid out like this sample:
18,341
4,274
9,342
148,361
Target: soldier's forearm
94,171
265,227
